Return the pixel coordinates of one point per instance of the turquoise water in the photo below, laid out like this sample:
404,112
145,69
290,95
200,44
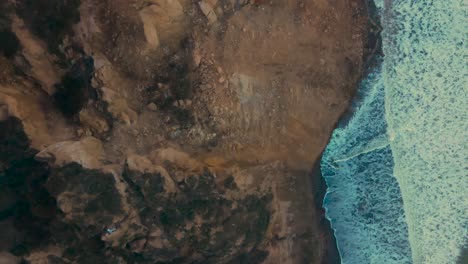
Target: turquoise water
363,200
396,170
426,101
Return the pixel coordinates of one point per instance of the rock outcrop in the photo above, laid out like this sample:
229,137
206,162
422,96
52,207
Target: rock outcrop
87,152
170,131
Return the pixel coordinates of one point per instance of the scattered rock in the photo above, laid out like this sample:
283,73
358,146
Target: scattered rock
92,120
79,132
155,17
87,152
40,61
196,57
208,11
152,107
88,198
121,111
143,165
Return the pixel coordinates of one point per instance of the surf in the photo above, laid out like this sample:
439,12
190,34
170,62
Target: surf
395,170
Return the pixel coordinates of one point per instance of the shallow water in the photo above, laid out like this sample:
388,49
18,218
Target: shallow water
363,200
396,170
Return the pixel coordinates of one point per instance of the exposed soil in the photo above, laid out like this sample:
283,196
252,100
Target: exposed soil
246,91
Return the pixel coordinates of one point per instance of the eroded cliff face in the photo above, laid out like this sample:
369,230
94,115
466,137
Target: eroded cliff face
170,131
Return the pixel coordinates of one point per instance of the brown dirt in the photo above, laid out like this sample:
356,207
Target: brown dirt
255,90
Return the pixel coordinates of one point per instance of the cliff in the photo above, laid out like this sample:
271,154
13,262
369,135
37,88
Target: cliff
170,131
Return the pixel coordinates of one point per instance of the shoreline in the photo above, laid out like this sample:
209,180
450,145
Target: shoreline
319,186
238,106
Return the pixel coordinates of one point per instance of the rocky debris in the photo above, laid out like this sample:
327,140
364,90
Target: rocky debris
138,214
140,166
122,112
155,17
91,120
177,158
196,57
201,188
150,29
27,105
152,107
87,152
183,103
110,84
197,222
87,197
129,226
208,11
41,63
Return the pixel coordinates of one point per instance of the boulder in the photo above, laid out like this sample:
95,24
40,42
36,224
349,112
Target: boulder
92,120
208,11
140,166
87,152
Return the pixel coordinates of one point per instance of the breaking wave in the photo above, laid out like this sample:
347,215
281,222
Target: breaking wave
396,171
426,101
363,200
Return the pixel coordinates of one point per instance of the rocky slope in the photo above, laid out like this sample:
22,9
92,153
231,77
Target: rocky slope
170,131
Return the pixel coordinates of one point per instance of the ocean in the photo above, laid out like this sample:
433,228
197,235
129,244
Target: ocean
396,169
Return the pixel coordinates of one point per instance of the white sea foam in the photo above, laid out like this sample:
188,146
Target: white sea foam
396,171
425,78
363,201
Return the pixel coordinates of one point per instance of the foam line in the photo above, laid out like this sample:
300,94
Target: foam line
425,78
363,201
